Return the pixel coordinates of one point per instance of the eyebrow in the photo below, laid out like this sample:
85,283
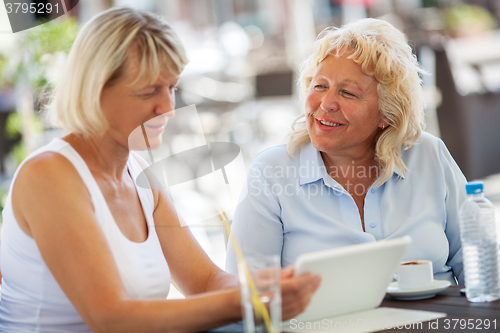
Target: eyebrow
156,85
343,81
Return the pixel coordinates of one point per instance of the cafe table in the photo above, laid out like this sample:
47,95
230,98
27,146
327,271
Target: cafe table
461,315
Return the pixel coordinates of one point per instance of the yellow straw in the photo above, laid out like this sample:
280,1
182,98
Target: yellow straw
258,305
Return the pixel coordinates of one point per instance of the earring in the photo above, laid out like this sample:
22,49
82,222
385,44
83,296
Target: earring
383,126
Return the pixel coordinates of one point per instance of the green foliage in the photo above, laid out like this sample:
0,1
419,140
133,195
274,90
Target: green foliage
15,122
13,126
5,80
19,152
468,19
3,198
430,3
41,44
30,57
34,60
13,131
55,36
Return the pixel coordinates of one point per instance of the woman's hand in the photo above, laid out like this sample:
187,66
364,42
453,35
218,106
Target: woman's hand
296,291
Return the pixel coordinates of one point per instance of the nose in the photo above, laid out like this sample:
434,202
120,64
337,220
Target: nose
166,105
329,102
170,114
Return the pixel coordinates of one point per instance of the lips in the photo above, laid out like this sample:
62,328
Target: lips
328,124
155,125
157,128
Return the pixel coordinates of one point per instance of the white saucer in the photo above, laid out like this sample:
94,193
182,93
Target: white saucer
420,293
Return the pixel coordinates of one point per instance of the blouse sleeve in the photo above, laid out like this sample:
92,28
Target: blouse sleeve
257,224
455,195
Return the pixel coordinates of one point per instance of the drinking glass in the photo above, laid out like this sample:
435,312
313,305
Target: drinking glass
259,278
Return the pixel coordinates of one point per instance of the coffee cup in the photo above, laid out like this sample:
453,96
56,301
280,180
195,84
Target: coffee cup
415,274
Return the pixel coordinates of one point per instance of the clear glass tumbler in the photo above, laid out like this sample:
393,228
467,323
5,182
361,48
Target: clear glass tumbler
260,293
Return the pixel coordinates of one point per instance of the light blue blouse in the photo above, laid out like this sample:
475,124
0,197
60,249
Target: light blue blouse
292,206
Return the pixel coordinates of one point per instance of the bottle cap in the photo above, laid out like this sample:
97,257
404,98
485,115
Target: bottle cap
474,187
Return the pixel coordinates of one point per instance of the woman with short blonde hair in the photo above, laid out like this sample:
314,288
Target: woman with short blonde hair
357,167
84,248
97,60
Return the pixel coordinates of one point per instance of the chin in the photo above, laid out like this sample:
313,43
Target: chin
140,145
320,141
322,144
322,147
155,142
136,140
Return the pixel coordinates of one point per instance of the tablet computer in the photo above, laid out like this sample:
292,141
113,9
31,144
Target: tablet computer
354,278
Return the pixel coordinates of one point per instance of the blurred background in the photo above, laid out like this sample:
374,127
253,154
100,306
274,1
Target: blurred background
242,74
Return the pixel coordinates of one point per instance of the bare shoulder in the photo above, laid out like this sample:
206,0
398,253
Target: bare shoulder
47,160
49,170
47,181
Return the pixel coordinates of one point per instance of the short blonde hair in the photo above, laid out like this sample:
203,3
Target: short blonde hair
97,59
382,52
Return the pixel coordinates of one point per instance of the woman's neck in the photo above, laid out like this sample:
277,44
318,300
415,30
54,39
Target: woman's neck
102,154
351,167
355,174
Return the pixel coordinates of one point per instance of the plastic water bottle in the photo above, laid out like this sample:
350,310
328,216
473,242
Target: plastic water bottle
479,246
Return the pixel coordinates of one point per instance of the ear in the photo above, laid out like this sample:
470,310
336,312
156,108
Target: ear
383,123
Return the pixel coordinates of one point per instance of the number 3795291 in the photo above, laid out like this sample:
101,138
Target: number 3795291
470,324
33,8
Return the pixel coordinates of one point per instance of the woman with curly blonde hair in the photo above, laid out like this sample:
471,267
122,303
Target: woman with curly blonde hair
358,166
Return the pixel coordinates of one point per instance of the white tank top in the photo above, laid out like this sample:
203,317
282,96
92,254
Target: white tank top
31,299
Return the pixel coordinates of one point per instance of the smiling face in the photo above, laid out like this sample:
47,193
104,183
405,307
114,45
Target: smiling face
342,115
129,103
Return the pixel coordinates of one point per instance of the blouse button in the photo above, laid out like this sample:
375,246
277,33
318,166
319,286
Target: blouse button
373,225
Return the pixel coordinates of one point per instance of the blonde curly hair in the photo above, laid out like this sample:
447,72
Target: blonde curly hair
382,52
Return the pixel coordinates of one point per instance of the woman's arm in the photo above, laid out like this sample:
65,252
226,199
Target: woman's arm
193,272
455,196
257,223
53,206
